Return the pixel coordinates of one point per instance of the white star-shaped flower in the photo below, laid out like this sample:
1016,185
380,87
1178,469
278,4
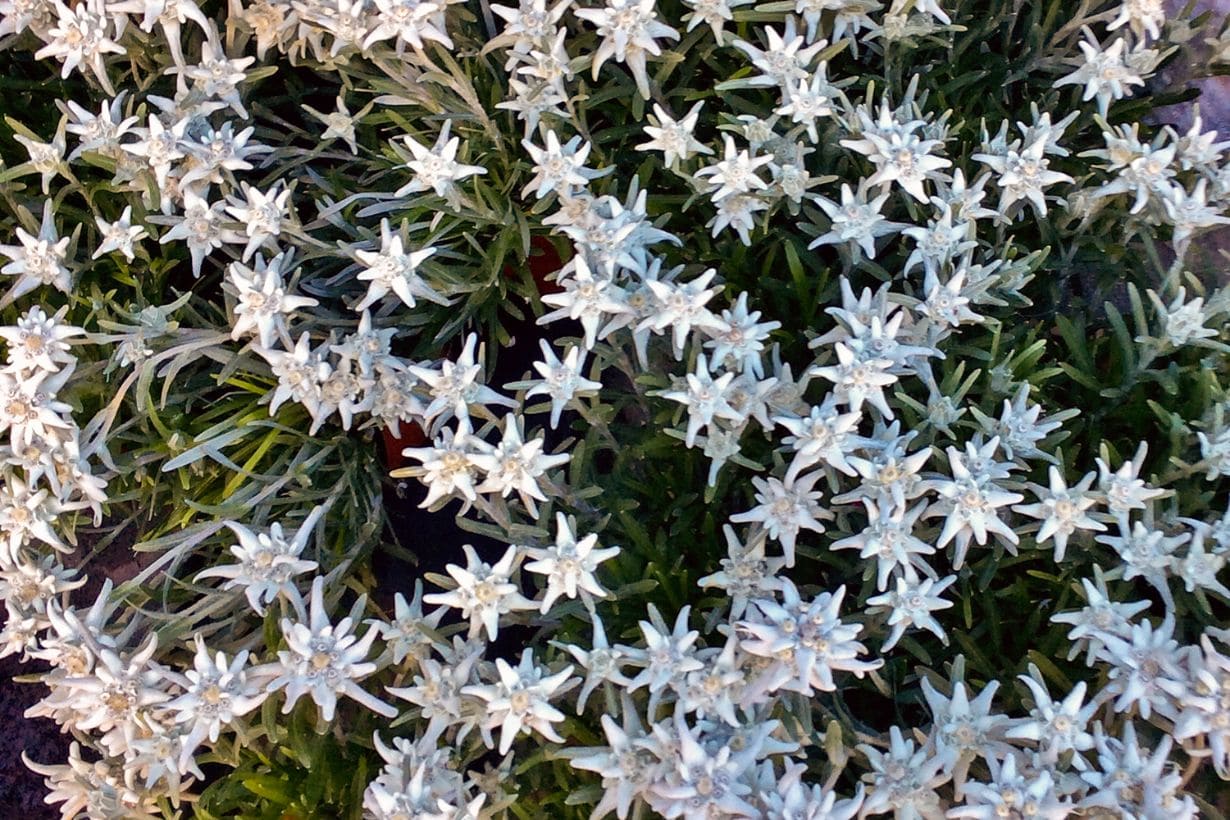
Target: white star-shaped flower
569,565
325,661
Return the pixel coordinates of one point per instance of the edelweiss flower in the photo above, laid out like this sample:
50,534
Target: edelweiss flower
856,222
788,797
741,345
746,573
120,235
215,693
484,591
340,123
705,399
518,703
300,373
903,157
98,787
806,641
704,782
1058,727
448,465
1206,711
569,565
559,168
120,690
81,37
46,158
601,662
859,378
38,260
785,61
410,22
160,147
1062,510
589,299
1146,552
200,227
1008,792
1124,490
218,76
674,137
560,380
268,562
715,13
456,386
263,302
681,307
971,500
903,780
262,214
391,269
810,99
911,605
1137,781
437,693
889,538
1190,214
1146,669
964,729
627,767
324,660
410,633
629,30
734,174
668,656
1104,73
437,169
786,507
29,409
37,341
516,464
1023,175
823,435
1101,617
28,515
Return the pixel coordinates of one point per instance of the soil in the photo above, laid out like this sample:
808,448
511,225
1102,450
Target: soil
21,790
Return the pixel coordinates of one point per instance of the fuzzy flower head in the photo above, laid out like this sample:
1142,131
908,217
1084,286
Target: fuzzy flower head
436,169
674,138
519,702
560,379
970,504
484,591
1104,72
904,779
805,640
40,259
517,464
1062,510
784,509
325,661
263,303
569,565
1056,726
217,691
558,168
268,561
629,30
38,341
395,270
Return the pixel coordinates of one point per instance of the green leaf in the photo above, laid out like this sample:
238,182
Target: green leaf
270,788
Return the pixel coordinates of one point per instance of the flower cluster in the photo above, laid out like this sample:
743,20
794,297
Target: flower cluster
758,516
